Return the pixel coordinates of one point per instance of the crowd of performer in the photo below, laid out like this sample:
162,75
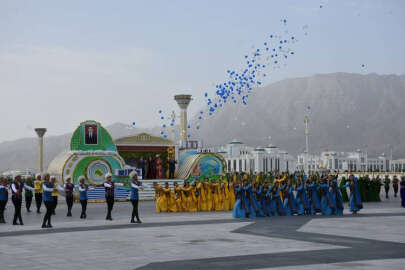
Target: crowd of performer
295,195
196,196
247,195
46,189
257,195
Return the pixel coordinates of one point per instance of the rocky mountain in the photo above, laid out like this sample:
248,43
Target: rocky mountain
348,111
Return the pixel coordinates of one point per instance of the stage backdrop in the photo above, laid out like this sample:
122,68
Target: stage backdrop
92,154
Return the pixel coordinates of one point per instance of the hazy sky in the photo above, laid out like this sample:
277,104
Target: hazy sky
62,62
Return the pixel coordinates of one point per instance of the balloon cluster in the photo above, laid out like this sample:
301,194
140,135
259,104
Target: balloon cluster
240,83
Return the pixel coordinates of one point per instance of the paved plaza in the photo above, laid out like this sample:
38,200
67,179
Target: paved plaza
374,239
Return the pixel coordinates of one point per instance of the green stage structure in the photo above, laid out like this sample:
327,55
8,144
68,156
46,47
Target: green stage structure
92,154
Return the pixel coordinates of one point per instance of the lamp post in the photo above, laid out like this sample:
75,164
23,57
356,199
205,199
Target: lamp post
306,122
40,132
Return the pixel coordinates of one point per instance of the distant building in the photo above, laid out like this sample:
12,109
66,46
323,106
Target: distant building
398,165
242,158
23,172
342,161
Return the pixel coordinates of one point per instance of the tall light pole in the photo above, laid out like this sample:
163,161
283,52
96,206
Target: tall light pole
306,122
390,156
40,132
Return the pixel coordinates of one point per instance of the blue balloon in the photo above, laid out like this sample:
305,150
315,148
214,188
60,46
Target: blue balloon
133,123
163,126
162,117
165,136
160,111
161,132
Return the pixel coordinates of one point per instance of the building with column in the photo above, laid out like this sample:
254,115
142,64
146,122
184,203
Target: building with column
398,165
242,158
342,161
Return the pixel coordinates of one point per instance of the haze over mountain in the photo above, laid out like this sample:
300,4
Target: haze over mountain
348,111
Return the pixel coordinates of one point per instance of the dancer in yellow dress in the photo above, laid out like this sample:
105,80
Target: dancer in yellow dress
216,197
189,198
209,197
161,205
185,199
194,200
178,197
225,195
202,198
169,198
232,197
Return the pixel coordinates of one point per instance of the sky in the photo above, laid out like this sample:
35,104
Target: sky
63,62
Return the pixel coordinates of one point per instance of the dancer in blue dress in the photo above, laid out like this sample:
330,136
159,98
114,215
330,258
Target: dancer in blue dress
250,203
327,203
257,199
271,203
336,197
265,201
276,205
313,197
301,198
290,205
355,201
239,209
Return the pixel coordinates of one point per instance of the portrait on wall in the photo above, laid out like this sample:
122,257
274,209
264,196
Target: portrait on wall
90,134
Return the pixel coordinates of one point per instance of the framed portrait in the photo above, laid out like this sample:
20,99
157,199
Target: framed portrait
91,134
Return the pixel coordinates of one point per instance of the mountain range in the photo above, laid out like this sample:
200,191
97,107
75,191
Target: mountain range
347,112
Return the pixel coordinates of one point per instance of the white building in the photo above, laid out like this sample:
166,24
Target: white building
398,165
342,161
243,158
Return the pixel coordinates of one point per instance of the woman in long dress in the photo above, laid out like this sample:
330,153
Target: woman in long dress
355,201
303,207
239,209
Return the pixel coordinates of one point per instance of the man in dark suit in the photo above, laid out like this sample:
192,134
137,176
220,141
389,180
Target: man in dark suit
172,167
91,136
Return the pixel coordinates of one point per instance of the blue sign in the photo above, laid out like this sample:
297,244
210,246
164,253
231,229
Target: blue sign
127,171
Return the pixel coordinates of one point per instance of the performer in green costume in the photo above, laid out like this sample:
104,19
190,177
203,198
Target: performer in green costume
343,190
